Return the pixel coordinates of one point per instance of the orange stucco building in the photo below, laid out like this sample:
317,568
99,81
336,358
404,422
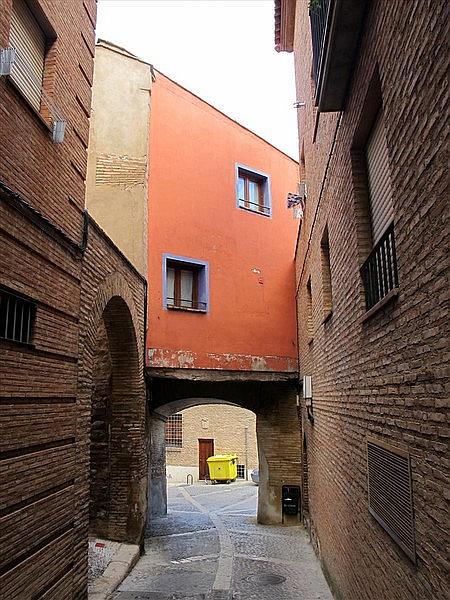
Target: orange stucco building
221,301
220,255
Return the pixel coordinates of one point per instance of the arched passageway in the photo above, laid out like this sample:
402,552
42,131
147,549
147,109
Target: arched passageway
118,462
277,429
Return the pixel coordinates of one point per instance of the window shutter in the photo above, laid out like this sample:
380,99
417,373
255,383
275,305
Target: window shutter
28,39
380,191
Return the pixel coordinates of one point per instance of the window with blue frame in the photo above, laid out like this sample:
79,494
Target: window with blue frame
185,283
253,190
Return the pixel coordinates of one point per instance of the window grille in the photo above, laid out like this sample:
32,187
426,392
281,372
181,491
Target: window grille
241,471
390,493
16,317
379,272
174,431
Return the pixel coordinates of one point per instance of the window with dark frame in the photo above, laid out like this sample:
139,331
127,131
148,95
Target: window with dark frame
174,431
17,316
185,283
252,194
309,312
183,286
327,296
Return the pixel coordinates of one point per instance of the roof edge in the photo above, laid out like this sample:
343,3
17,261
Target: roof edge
284,25
157,71
123,51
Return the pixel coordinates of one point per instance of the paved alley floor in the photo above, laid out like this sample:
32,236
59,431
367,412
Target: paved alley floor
209,547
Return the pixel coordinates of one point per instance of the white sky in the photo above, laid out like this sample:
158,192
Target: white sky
222,50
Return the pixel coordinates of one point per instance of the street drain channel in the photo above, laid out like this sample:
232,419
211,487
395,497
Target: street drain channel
266,579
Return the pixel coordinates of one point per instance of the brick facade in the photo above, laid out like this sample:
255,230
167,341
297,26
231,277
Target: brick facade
383,374
53,255
225,425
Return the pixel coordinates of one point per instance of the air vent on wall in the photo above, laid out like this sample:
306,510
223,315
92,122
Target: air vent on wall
390,493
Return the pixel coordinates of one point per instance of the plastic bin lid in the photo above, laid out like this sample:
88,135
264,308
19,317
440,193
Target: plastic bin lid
221,457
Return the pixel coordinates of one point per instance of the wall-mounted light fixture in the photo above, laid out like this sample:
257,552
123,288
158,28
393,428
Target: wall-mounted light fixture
298,104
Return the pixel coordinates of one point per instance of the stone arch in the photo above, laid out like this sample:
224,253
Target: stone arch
113,318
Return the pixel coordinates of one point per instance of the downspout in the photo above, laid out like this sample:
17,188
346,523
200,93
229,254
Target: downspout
85,232
145,332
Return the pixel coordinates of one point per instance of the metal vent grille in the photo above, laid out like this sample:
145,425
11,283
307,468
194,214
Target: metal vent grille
390,493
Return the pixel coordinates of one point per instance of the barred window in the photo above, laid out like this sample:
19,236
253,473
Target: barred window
16,317
174,431
241,471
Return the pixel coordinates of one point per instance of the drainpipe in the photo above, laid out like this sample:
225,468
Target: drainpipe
145,333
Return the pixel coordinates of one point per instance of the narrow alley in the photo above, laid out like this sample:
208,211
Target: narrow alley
209,546
224,300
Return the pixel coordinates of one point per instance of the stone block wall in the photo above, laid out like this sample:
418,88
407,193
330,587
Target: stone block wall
384,375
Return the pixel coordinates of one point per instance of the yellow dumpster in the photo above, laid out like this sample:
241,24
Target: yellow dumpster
222,467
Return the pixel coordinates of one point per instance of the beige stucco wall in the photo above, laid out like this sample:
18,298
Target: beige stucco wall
116,186
225,425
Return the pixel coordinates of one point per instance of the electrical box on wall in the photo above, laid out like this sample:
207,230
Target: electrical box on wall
307,387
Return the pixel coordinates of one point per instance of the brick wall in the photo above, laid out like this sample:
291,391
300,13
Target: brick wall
273,401
51,176
386,376
46,386
225,425
40,231
113,297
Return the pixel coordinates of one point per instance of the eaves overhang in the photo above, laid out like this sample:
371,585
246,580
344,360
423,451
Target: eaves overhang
284,25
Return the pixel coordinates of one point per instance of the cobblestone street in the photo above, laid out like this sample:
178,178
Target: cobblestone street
210,546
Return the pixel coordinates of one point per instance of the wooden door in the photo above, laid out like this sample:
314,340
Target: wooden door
205,450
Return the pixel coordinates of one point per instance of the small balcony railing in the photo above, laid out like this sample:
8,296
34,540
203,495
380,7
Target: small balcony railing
254,207
336,27
186,303
379,272
318,15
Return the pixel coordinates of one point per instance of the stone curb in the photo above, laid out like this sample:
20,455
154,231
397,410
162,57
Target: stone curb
119,567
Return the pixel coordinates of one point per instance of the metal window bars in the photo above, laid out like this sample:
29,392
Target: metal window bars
174,431
379,272
16,318
318,17
240,471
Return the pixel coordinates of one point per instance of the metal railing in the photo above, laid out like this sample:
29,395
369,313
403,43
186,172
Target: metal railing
379,272
318,16
185,303
254,206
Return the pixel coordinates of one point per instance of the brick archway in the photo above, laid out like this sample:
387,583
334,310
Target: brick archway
112,336
274,403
